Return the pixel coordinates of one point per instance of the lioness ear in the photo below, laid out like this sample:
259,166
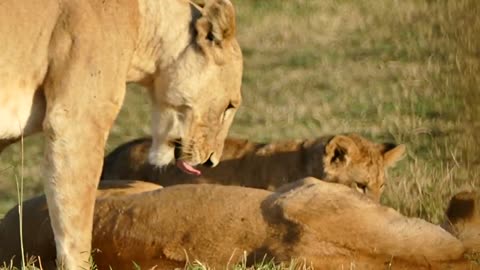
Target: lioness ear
217,24
340,150
392,153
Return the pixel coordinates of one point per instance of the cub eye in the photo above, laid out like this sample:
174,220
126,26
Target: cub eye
361,187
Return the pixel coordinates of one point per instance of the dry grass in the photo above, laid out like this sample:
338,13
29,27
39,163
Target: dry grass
405,71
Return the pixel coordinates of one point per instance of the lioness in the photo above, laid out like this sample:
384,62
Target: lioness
326,224
347,159
63,69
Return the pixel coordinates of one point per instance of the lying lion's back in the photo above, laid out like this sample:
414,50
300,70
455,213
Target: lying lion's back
243,163
130,161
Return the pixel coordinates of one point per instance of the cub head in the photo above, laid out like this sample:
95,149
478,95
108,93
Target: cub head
195,103
354,161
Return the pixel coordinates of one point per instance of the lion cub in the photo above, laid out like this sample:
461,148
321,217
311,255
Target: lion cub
347,159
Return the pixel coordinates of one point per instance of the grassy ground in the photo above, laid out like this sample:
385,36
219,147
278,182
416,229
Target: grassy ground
405,71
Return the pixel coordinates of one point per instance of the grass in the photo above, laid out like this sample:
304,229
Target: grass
405,71
35,264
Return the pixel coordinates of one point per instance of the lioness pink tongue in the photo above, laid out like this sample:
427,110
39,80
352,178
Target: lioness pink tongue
182,165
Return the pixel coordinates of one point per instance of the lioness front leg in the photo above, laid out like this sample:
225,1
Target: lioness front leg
75,140
83,96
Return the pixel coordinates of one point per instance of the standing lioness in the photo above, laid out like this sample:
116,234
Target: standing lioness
347,159
63,69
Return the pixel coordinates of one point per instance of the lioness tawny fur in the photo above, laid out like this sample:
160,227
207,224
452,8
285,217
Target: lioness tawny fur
64,65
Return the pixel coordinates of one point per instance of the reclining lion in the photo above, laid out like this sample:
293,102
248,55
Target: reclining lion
37,233
347,159
64,65
325,224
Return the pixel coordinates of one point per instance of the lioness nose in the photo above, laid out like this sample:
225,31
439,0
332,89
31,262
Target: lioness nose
210,162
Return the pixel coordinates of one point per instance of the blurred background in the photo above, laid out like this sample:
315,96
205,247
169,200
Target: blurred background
396,71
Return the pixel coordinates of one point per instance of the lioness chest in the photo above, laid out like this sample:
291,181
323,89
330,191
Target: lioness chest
25,31
37,35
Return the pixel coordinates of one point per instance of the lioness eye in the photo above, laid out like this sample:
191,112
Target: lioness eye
362,187
230,106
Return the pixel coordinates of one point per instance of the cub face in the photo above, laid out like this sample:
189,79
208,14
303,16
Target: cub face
356,162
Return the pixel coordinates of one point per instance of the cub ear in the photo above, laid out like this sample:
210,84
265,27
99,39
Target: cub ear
340,150
217,24
392,153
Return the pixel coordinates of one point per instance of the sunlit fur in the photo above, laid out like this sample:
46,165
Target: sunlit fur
64,70
325,225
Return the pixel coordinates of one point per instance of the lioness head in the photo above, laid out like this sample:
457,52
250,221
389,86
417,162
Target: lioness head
354,161
194,104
